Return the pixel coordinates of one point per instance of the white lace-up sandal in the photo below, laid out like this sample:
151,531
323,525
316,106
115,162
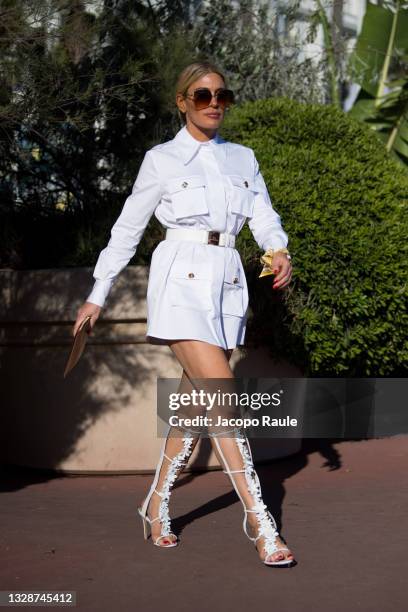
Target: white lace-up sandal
266,523
176,464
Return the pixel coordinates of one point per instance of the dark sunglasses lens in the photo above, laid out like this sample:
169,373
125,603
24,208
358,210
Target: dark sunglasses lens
202,98
225,97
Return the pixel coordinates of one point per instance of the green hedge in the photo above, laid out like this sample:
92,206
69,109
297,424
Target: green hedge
343,203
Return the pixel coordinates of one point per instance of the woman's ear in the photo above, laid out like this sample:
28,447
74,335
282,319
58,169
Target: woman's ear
181,103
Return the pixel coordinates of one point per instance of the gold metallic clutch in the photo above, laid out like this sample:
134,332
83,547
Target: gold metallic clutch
78,344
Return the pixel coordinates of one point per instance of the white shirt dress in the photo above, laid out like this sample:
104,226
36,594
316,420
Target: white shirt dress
195,291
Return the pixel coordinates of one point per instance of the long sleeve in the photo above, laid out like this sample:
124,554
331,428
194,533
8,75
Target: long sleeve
265,224
127,231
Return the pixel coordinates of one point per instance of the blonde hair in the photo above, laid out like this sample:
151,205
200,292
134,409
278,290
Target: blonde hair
192,73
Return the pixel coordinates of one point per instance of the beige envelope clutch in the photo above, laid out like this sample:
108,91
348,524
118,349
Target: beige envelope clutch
78,344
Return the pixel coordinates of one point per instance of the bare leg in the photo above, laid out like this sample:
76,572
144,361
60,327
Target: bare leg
202,360
176,450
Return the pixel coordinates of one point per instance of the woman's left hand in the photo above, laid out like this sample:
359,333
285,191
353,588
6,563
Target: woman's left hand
282,268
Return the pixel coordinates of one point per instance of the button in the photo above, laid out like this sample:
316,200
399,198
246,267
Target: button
246,183
184,184
236,279
191,275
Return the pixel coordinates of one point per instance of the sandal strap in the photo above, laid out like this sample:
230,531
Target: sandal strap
156,518
165,536
232,471
172,458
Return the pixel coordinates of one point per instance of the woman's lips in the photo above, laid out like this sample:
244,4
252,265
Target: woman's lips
214,115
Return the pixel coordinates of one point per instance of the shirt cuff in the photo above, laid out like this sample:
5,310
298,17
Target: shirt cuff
100,292
278,244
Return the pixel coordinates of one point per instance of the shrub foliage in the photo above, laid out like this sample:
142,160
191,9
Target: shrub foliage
343,203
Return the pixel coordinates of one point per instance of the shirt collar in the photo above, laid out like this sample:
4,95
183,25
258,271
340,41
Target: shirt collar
188,146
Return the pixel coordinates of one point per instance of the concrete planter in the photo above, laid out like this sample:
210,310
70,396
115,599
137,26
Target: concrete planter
102,417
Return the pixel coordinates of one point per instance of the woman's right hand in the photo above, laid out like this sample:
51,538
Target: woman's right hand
86,309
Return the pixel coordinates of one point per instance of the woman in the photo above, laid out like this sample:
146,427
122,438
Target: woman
202,189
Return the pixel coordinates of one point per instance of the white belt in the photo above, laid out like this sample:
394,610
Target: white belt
203,236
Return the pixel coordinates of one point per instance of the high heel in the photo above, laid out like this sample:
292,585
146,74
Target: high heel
174,468
147,528
270,532
266,523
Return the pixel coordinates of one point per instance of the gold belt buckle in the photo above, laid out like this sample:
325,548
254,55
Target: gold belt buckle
213,237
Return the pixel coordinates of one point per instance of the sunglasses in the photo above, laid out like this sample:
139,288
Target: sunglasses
203,96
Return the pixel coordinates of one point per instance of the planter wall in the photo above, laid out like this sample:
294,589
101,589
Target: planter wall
102,417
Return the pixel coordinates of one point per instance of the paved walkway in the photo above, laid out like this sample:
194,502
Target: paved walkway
343,507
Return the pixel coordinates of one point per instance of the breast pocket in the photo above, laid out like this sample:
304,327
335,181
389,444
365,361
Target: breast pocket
189,285
188,196
234,292
243,193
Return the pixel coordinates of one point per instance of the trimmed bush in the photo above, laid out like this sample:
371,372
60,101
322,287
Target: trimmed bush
343,203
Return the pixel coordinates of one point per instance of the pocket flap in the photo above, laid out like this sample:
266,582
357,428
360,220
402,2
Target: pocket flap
190,271
243,206
244,182
233,276
185,183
